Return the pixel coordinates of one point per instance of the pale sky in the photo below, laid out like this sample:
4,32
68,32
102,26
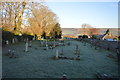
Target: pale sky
97,14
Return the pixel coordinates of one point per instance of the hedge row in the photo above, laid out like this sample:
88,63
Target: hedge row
6,35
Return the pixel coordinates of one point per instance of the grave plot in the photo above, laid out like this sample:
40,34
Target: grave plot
52,44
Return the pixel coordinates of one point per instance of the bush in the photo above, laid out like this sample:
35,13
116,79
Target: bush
6,35
25,36
84,36
94,37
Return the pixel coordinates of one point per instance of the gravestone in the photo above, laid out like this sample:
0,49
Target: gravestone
118,54
64,76
34,38
61,52
54,44
9,52
46,46
7,42
41,44
12,54
26,47
77,50
30,43
84,43
13,40
57,54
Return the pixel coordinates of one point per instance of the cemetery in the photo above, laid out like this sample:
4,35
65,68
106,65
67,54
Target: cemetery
51,59
59,40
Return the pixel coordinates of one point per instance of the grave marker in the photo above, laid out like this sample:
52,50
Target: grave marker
77,50
57,54
54,44
7,42
30,43
26,47
13,40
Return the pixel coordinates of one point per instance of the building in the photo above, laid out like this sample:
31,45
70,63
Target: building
107,36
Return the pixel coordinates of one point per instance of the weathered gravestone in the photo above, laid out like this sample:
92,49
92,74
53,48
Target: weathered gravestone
26,47
57,54
7,42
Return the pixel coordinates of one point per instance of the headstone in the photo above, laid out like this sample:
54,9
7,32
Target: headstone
13,54
54,44
16,40
62,51
13,40
46,43
9,52
64,76
24,40
84,43
77,51
76,47
7,42
27,40
26,47
57,54
118,54
46,46
34,38
30,44
41,44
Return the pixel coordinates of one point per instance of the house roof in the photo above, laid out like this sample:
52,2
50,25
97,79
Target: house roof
107,36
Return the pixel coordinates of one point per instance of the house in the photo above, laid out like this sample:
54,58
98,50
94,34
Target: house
107,36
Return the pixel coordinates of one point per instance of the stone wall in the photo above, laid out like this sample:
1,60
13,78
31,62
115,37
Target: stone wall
108,45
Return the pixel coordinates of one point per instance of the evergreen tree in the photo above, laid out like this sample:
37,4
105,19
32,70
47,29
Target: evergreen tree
56,31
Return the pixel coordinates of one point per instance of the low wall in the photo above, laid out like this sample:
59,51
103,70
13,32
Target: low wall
109,45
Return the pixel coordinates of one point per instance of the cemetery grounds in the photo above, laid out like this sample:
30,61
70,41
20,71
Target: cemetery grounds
40,63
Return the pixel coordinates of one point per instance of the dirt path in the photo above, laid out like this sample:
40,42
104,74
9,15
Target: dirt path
38,63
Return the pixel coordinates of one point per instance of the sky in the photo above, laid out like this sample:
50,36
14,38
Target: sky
97,14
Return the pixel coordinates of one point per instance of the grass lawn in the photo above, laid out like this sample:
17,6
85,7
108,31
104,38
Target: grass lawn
38,63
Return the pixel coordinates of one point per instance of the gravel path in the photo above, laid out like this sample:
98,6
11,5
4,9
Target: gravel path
38,63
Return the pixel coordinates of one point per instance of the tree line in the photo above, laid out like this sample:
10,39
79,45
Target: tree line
31,18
